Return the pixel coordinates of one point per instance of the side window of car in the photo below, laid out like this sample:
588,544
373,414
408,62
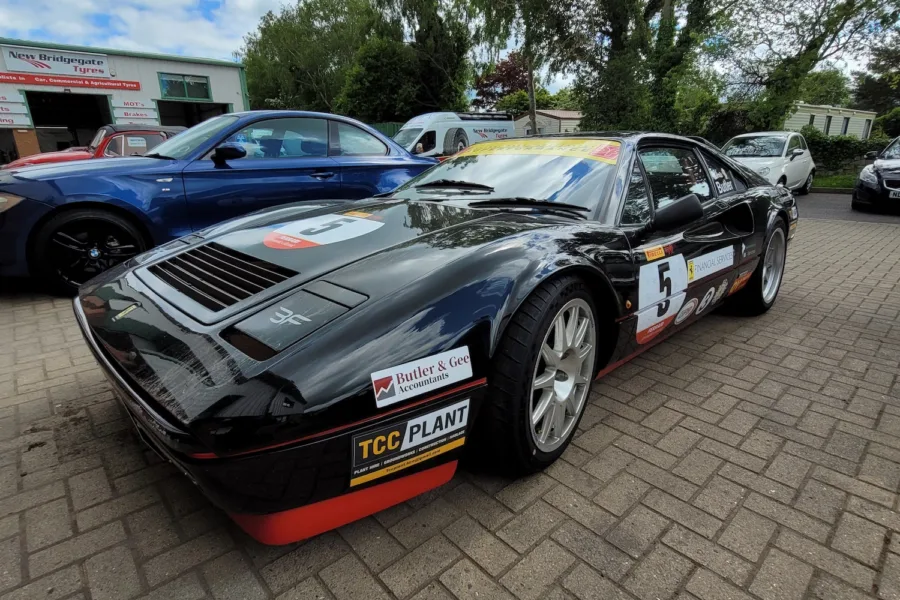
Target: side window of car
284,138
724,178
353,141
673,173
802,142
429,140
141,143
636,209
793,143
114,146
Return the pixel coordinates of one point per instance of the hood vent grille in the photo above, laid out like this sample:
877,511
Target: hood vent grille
218,277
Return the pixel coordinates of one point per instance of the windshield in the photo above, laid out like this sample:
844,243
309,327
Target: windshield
892,151
101,133
405,137
762,145
568,171
187,141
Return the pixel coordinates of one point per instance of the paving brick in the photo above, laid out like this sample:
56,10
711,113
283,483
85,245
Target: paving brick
720,497
662,419
523,492
75,548
707,586
739,422
424,523
708,554
466,581
30,498
788,469
181,558
608,560
621,493
733,455
637,532
854,486
829,588
580,508
187,587
697,466
10,563
480,545
372,543
645,451
846,445
889,584
347,579
529,578
587,585
683,513
419,566
432,591
757,483
307,559
880,472
530,526
52,587
152,530
662,479
659,575
610,462
112,575
781,577
308,589
47,524
115,508
9,526
821,500
859,538
707,430
748,534
874,512
825,559
762,444
89,488
836,463
678,441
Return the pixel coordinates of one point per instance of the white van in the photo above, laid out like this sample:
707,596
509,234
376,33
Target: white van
446,133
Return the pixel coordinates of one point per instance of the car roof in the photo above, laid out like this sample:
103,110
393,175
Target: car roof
771,133
167,128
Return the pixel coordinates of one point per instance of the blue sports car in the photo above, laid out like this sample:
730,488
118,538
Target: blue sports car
66,223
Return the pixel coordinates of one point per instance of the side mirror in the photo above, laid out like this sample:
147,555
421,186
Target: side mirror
679,213
228,151
872,155
419,148
795,153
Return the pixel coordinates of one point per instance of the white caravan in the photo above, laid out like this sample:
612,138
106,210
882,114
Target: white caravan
446,133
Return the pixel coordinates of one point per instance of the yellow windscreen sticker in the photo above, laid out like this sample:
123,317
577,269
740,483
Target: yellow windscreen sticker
600,150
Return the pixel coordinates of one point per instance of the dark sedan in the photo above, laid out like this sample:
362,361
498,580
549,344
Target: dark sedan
878,184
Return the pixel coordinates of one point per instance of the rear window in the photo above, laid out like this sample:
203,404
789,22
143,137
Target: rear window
557,170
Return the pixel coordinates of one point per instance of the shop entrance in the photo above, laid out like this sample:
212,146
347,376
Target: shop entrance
62,120
188,114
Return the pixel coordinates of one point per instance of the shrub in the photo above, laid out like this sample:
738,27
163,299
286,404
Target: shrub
836,152
890,123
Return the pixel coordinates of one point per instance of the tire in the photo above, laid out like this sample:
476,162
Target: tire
75,245
455,140
505,432
782,182
757,296
855,205
806,186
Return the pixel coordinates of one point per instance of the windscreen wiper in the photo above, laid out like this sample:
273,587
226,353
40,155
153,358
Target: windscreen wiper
521,202
452,183
157,155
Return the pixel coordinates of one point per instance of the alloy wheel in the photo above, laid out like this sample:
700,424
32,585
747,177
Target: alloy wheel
773,265
83,248
562,375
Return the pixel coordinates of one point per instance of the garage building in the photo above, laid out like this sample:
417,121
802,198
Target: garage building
53,97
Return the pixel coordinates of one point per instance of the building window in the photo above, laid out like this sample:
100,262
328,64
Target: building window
828,125
812,120
866,129
845,125
184,87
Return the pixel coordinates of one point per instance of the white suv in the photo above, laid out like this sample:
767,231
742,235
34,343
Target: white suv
782,157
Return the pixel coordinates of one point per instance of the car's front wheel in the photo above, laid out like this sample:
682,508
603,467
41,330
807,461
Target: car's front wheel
541,378
76,245
759,294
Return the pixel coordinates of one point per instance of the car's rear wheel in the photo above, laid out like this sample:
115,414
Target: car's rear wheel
807,184
76,245
762,289
541,378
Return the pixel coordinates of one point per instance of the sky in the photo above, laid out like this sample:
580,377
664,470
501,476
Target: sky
198,28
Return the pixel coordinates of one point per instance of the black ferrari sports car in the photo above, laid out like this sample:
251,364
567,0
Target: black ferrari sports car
314,363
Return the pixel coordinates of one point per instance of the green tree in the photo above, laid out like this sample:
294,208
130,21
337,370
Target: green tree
826,86
496,81
517,103
567,99
890,123
441,44
383,83
299,58
879,88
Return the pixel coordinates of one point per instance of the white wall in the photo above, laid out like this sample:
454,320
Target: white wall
855,127
545,125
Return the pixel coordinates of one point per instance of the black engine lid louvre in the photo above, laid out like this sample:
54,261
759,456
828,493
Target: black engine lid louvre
217,277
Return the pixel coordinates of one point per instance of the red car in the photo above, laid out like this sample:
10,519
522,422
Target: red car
109,141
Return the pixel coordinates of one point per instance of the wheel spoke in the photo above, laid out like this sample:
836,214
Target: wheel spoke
69,243
581,332
559,333
541,409
545,379
572,403
550,356
546,423
571,327
583,351
559,419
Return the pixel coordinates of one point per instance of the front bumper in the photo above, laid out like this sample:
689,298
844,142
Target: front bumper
874,196
294,490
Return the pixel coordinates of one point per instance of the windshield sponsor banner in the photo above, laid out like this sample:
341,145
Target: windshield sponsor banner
419,376
710,263
386,450
79,82
605,151
56,62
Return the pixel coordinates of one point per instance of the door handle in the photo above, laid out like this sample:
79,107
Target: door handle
322,175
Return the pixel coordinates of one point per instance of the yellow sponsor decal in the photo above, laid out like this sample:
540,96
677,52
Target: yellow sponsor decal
124,312
358,213
409,462
654,253
605,151
690,266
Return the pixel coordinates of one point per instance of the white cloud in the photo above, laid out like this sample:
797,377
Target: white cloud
203,28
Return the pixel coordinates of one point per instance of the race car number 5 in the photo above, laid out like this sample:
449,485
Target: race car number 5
661,293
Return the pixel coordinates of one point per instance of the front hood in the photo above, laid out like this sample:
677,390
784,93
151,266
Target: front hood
757,163
888,167
91,168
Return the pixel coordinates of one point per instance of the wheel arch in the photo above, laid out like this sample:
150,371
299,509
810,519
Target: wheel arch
133,217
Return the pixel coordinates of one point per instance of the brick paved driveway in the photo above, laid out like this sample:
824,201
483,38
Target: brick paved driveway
745,458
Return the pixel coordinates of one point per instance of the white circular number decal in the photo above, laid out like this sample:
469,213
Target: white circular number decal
707,300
